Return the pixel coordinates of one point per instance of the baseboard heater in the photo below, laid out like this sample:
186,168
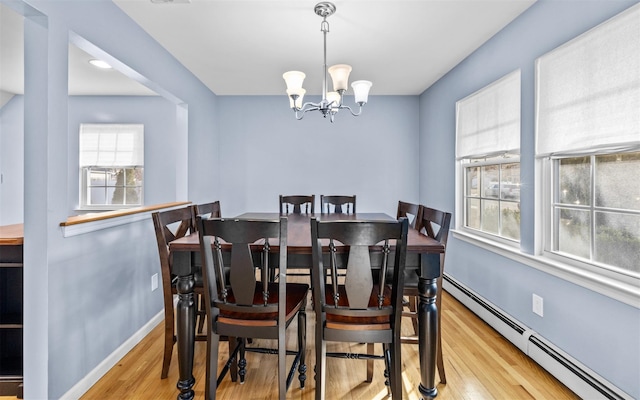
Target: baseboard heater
573,374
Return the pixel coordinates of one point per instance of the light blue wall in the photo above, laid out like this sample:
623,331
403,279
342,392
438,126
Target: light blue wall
600,332
87,294
158,116
11,161
90,298
265,152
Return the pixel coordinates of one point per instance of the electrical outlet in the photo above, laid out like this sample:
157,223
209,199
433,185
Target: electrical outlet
154,282
538,305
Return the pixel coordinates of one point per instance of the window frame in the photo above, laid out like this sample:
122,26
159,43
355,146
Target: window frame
622,287
568,84
84,178
463,224
494,123
550,205
84,189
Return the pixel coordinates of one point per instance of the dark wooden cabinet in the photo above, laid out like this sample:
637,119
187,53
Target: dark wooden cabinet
11,299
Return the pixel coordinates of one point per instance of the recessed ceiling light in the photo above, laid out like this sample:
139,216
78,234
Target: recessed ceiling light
99,64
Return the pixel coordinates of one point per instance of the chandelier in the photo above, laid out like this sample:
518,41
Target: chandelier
331,102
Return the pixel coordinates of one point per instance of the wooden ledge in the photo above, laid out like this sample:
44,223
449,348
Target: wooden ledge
98,216
11,235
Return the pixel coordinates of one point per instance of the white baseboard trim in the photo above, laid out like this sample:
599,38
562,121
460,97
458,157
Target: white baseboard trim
112,359
576,376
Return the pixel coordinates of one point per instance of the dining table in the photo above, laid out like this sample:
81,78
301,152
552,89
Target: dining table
423,255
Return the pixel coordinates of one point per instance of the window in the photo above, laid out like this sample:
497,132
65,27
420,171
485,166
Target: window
488,152
111,165
492,196
596,209
588,142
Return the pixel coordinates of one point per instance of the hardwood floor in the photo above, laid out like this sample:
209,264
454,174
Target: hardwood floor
479,364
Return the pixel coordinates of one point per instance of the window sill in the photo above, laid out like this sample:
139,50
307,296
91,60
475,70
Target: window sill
91,222
626,291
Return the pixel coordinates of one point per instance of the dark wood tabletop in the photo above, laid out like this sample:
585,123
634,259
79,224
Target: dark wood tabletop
299,232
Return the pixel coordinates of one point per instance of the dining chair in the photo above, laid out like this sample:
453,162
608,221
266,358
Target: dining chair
435,224
363,309
207,210
338,204
249,304
170,225
412,212
299,204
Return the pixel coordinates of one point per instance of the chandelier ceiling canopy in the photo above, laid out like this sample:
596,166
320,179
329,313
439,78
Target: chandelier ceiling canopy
331,102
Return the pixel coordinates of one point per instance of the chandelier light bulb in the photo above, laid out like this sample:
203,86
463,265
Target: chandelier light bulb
361,91
294,79
335,98
340,76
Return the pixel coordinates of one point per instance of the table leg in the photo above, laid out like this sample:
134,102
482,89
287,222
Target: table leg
428,334
186,322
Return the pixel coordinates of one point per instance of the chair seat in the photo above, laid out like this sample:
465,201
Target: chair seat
296,297
337,319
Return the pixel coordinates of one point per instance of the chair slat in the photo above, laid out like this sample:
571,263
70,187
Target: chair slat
358,282
242,275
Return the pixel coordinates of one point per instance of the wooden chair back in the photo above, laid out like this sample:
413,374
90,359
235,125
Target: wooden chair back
410,211
170,225
299,204
434,223
248,304
363,309
207,210
338,204
235,242
366,246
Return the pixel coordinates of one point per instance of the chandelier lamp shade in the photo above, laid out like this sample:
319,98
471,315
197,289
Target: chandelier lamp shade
331,102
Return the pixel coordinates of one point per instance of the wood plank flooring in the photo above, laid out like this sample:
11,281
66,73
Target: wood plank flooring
479,363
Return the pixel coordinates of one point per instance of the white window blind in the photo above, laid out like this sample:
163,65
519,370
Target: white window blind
488,121
588,90
111,145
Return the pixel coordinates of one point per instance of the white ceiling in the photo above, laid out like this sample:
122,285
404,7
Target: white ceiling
242,47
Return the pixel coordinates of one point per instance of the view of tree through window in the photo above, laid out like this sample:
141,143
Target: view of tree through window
115,186
597,209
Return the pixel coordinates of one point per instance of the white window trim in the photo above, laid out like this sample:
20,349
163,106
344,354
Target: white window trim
464,153
462,211
625,289
620,287
614,283
134,160
83,206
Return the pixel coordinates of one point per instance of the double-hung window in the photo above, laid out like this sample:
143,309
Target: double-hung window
488,156
111,166
588,147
